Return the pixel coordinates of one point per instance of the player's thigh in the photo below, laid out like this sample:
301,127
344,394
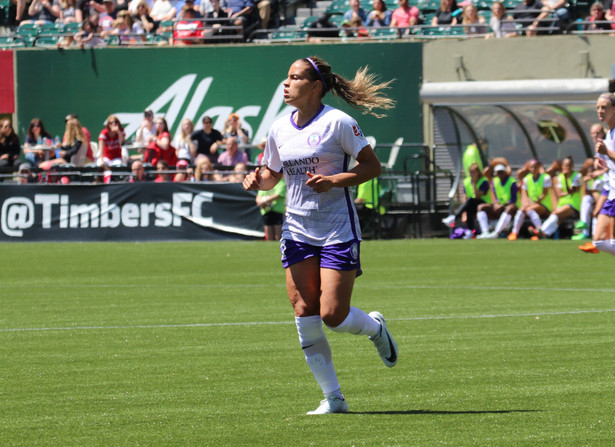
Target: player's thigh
336,292
303,287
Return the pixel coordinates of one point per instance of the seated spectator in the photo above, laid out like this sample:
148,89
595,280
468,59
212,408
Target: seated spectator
444,15
204,171
557,10
163,11
110,143
237,175
145,133
527,15
143,22
122,28
185,172
24,174
42,12
107,17
219,14
187,30
232,155
89,155
241,11
207,6
206,142
322,29
182,141
73,150
88,37
504,188
500,22
36,136
473,22
379,16
405,16
180,4
233,128
567,186
137,172
67,9
355,11
596,14
264,12
536,200
477,192
162,172
161,148
9,146
355,28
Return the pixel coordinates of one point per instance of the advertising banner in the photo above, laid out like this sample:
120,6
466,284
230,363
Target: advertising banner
128,212
7,84
179,83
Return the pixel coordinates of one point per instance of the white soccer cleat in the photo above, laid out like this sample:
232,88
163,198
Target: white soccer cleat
332,404
449,221
492,235
384,343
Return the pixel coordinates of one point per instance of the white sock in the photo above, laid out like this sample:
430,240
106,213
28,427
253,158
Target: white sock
535,219
317,353
587,206
550,225
358,323
483,221
502,222
607,245
594,223
518,222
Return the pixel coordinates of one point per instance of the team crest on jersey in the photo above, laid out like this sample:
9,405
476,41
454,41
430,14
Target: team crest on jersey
354,253
314,139
357,131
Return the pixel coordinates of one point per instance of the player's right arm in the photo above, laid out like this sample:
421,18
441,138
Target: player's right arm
261,178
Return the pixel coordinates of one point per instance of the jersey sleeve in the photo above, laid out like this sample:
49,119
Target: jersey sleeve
271,155
350,136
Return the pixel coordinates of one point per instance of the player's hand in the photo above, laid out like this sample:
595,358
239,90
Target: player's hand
319,183
253,180
600,147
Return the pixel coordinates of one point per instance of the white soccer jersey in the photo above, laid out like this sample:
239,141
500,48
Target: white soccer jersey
609,141
323,146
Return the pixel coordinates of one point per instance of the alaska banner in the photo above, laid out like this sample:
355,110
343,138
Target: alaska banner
190,83
128,212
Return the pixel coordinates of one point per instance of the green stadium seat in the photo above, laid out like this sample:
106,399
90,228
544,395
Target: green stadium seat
71,28
7,42
27,31
338,7
384,33
308,22
336,20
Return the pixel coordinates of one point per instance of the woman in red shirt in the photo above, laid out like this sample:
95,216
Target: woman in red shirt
161,148
110,143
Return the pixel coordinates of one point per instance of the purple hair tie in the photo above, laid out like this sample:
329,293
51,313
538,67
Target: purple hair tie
319,73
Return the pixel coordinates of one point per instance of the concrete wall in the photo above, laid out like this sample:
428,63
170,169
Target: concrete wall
545,57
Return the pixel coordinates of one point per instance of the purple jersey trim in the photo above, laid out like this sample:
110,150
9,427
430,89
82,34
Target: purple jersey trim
292,121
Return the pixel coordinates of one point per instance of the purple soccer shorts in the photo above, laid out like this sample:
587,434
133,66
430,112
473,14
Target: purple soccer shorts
344,256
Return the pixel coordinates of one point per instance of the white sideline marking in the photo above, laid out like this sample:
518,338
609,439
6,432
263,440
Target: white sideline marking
262,323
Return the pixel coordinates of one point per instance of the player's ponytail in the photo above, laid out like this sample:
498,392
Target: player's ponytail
363,92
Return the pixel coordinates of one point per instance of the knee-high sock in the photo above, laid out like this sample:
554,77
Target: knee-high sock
594,223
550,225
535,218
483,221
587,206
518,222
358,323
502,222
317,352
607,245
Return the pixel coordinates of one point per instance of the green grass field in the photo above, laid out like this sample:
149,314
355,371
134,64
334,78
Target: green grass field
194,344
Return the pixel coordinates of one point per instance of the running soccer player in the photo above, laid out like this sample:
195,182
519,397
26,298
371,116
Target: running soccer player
311,148
605,151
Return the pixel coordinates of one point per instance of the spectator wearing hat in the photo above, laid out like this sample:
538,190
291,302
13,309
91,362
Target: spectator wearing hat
233,128
504,188
24,174
107,17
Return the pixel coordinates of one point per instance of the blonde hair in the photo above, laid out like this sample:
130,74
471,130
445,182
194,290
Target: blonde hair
363,92
74,132
183,137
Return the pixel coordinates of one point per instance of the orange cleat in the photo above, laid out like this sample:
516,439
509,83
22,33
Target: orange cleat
534,238
589,248
512,237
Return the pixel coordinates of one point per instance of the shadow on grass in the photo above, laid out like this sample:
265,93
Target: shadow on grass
407,412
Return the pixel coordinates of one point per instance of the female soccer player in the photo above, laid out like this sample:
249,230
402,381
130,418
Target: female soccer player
605,150
311,148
